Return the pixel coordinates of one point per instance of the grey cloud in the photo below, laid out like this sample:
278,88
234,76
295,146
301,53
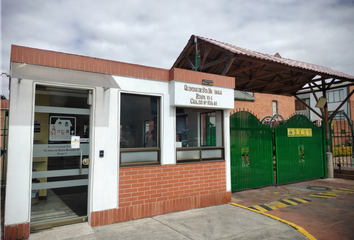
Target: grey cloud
154,32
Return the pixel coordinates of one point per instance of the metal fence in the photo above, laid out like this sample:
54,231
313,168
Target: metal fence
341,129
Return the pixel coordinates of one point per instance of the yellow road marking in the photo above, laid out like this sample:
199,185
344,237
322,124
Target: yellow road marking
271,206
300,200
289,201
297,227
279,205
260,209
320,196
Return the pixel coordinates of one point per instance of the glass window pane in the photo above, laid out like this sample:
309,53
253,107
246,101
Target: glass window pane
214,153
139,121
336,96
198,127
330,97
144,157
59,114
211,131
341,97
188,155
274,107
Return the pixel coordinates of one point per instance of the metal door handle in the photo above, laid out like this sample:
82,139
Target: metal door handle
86,161
80,162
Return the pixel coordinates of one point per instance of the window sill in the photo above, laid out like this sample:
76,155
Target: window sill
139,164
206,161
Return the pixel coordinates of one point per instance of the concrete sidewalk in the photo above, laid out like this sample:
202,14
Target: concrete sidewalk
217,222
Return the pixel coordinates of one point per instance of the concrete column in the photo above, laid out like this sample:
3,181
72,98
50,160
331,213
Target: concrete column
330,173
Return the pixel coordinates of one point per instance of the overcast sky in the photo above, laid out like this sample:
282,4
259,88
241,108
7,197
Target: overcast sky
154,32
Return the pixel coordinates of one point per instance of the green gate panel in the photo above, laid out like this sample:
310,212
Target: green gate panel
299,150
251,152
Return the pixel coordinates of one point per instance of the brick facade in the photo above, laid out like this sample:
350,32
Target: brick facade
262,106
89,64
150,191
3,132
17,231
351,104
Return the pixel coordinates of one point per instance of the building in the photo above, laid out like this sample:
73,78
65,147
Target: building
105,142
263,105
334,99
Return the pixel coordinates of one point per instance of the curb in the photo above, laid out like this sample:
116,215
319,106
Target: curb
298,228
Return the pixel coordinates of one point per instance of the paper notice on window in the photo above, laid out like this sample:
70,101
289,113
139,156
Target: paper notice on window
75,141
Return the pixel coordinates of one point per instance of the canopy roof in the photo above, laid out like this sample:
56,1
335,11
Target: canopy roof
258,72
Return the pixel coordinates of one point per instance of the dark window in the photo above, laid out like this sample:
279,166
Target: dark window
299,105
139,129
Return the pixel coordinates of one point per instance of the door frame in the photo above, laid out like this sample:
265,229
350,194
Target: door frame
90,172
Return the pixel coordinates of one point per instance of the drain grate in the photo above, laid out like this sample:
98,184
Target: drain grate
318,188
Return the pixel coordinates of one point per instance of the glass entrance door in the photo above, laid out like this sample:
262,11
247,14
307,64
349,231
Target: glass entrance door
60,169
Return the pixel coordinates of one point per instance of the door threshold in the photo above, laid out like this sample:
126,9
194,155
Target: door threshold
40,226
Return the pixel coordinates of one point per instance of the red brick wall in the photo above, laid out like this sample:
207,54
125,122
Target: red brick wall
351,103
154,190
17,231
184,75
4,105
262,106
70,61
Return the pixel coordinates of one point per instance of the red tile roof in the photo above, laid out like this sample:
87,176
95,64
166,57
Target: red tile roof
285,61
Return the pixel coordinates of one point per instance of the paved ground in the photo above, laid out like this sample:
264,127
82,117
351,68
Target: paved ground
217,222
323,207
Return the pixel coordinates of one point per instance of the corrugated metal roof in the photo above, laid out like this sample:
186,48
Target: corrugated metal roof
285,61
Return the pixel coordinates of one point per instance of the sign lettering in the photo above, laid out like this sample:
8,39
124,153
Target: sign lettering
200,97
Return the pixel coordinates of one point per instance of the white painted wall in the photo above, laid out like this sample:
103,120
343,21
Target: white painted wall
104,171
227,148
331,106
103,177
167,124
19,160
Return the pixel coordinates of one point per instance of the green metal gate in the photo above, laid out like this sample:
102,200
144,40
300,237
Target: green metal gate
299,150
251,152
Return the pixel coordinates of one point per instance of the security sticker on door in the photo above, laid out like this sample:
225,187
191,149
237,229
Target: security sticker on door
62,128
75,141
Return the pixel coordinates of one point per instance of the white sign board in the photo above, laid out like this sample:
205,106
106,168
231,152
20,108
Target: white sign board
196,95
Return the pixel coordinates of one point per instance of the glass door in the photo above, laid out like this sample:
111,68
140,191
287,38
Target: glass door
60,169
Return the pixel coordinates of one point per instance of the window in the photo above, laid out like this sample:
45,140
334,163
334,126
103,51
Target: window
335,96
139,129
275,107
199,135
299,105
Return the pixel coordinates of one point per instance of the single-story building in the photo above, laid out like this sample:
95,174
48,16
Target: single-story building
104,141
